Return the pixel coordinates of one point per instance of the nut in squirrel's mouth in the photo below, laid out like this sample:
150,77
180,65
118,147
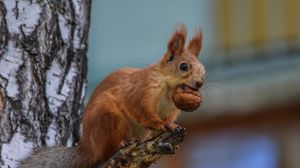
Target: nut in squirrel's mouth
186,98
185,86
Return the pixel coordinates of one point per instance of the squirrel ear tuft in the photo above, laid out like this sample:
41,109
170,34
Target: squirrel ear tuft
196,44
177,42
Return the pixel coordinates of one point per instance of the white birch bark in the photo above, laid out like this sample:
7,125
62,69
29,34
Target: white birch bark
43,67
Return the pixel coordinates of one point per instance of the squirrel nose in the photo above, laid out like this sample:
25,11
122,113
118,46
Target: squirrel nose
199,84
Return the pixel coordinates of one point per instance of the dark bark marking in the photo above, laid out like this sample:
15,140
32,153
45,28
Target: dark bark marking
38,103
52,37
67,10
16,10
7,127
29,43
2,101
3,29
3,82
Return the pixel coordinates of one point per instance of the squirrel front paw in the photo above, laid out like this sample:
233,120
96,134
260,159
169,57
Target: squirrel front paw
174,127
155,125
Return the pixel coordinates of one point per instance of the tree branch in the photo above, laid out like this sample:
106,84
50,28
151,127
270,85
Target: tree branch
143,154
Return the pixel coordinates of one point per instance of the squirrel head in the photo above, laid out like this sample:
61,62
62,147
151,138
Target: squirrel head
180,64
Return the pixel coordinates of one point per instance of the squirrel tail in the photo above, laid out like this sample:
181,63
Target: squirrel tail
55,157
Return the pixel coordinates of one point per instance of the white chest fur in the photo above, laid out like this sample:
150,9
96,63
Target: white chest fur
165,106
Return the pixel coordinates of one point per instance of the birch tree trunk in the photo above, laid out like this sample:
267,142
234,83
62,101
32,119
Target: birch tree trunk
43,68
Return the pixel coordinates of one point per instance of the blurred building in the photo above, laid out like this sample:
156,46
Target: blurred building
250,116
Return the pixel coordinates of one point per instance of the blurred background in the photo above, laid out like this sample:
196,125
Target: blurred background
250,117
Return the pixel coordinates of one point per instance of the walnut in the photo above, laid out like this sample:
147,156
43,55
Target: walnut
186,98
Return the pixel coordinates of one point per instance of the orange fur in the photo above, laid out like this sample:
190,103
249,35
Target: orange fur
196,44
130,102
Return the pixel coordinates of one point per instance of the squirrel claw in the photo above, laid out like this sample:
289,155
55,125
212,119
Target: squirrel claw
179,129
174,128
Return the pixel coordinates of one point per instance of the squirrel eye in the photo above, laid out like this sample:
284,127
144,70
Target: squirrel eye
184,67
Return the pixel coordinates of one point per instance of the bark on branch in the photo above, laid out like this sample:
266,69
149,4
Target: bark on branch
143,154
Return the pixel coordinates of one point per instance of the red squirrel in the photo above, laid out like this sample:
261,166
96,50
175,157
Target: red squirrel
130,103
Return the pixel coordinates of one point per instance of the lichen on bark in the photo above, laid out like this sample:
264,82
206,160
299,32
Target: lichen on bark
144,154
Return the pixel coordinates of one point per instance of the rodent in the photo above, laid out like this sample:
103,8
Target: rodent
130,103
